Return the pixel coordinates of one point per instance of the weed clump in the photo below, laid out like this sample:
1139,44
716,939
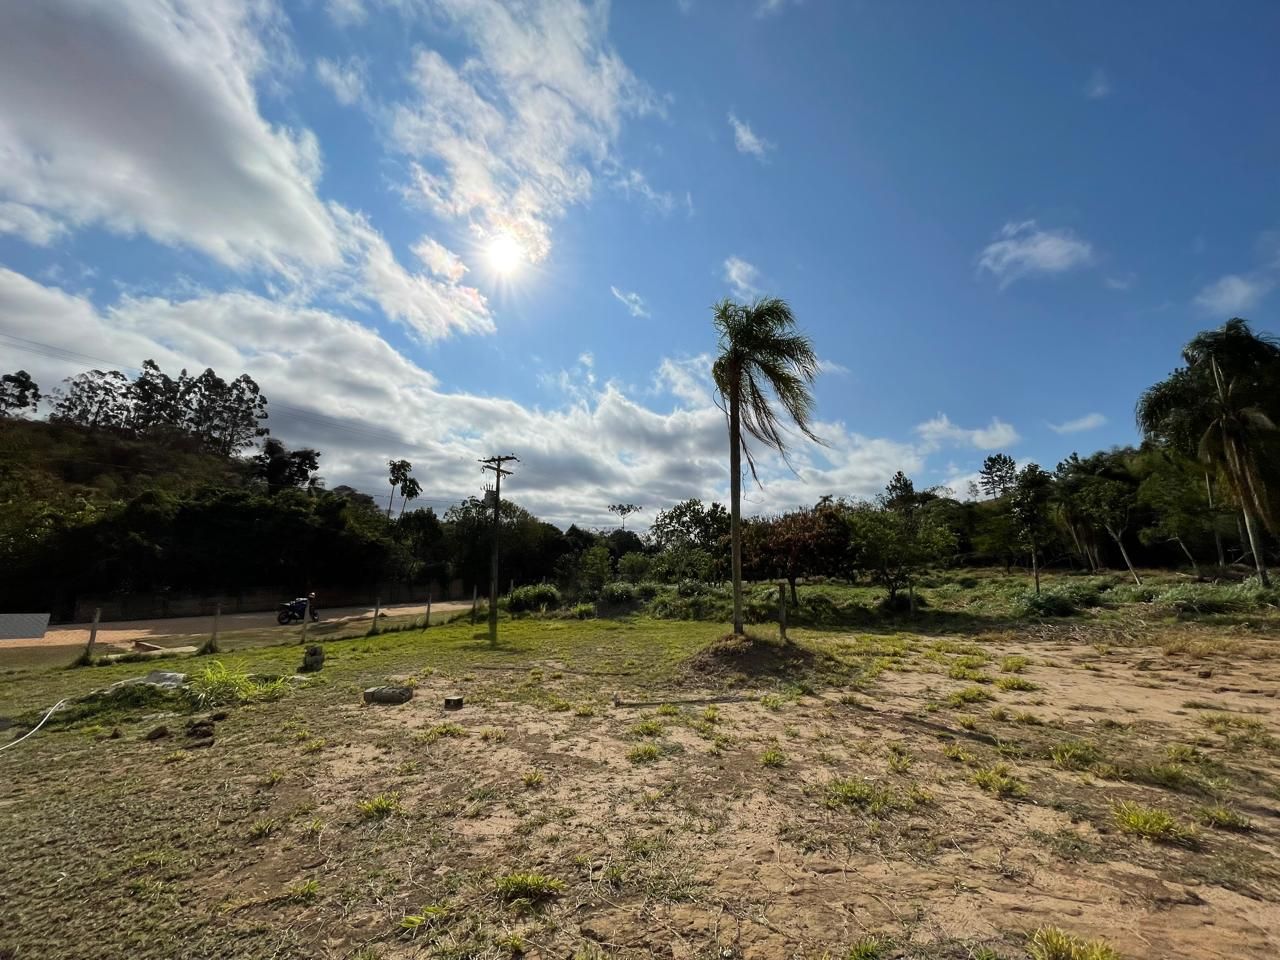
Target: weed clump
531,887
1150,823
379,807
218,686
1050,943
998,779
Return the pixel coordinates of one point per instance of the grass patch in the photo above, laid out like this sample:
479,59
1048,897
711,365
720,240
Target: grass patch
969,695
530,887
439,731
773,757
649,727
379,807
868,948
1050,943
1150,823
1223,818
1016,683
1074,755
1014,664
871,798
999,780
645,753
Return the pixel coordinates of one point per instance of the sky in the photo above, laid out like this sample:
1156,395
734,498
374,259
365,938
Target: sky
446,229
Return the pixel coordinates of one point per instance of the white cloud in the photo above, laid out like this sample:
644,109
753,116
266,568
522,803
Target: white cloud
515,137
439,259
635,182
431,308
601,446
1233,294
746,139
1099,86
830,366
346,13
1122,282
1090,421
141,116
742,278
633,302
1024,248
345,79
940,430
31,225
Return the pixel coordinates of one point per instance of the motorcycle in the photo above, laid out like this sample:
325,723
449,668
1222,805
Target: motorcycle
296,610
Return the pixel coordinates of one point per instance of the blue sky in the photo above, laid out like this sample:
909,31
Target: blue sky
442,228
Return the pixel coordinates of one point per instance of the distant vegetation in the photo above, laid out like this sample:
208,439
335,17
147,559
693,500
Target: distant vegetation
166,483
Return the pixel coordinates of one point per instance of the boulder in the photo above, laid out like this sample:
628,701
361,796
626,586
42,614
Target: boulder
155,733
388,695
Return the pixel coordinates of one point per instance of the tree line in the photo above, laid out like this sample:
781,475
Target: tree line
158,483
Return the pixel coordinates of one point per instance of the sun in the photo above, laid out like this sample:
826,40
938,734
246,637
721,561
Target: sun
505,254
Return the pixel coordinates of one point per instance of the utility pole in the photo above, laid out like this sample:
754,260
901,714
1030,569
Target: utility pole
495,464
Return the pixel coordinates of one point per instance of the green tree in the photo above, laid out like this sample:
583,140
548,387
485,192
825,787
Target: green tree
595,570
397,472
1225,401
1109,504
893,546
95,399
998,475
18,393
281,468
761,359
624,510
1170,488
1029,507
410,489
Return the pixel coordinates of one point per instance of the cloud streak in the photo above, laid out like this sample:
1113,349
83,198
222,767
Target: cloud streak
746,139
940,431
1090,421
632,301
742,277
1025,249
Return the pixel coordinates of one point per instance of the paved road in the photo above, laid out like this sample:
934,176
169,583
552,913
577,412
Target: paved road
126,631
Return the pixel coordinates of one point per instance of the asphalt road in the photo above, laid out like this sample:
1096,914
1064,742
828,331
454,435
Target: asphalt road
126,631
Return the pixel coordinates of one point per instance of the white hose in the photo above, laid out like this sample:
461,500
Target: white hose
14,743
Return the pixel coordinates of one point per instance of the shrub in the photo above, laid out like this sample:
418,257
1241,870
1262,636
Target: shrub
1217,598
634,567
692,588
618,594
1132,593
218,686
1049,602
584,611
647,589
535,597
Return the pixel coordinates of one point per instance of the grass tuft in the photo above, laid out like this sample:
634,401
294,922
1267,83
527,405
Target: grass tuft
379,807
773,757
532,887
1050,943
998,779
1150,823
645,753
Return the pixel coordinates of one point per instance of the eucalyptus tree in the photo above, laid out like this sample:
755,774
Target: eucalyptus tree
763,360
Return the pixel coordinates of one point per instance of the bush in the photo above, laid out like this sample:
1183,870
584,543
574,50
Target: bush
1057,600
618,594
647,589
692,588
584,611
537,597
1131,593
634,567
1217,598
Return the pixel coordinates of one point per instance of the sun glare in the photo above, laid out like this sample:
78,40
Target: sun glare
505,254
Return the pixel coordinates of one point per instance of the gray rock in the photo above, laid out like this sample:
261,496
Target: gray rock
388,695
313,659
157,733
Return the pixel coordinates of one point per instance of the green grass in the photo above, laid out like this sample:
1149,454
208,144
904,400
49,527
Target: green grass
379,807
773,757
999,780
1074,755
1014,664
868,948
1150,823
649,727
645,753
871,798
1223,818
1050,943
969,695
533,887
1015,683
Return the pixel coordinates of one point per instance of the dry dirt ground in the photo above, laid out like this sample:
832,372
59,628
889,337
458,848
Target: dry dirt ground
872,795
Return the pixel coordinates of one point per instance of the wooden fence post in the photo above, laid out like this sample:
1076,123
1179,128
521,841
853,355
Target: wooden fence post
377,611
475,592
782,612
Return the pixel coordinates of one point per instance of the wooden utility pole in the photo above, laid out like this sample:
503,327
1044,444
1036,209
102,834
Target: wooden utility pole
495,464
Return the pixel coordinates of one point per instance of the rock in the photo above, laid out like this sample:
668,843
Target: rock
164,679
1205,674
453,703
198,729
197,744
388,695
218,717
155,733
313,659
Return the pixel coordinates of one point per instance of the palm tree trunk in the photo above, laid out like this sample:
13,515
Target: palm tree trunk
735,503
1259,561
1217,534
1125,553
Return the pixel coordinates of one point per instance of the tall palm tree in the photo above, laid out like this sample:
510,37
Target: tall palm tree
1222,405
762,359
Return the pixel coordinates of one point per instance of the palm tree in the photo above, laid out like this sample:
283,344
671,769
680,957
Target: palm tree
762,359
1219,404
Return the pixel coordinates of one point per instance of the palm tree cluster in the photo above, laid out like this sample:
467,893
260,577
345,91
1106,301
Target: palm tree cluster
1221,408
